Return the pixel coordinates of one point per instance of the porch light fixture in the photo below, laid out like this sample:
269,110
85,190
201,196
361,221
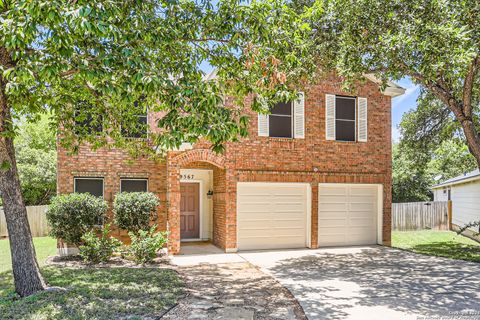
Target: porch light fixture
209,193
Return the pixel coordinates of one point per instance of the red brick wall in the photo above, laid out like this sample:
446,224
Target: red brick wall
112,165
313,160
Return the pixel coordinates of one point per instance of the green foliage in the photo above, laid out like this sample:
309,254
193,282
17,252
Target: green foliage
145,244
435,40
134,210
37,161
92,61
416,170
429,124
411,182
70,216
432,149
450,159
98,249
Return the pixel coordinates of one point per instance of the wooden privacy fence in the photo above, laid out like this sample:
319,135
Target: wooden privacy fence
37,219
420,215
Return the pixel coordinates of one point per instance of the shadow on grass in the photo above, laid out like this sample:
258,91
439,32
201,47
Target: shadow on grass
106,293
449,249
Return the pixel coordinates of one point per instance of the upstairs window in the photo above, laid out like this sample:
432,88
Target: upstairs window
138,129
345,118
286,120
281,121
133,185
86,120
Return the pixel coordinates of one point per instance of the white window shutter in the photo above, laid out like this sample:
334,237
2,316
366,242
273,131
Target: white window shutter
362,120
299,116
263,128
330,117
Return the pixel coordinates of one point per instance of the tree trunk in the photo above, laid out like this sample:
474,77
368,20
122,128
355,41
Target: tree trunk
26,273
473,139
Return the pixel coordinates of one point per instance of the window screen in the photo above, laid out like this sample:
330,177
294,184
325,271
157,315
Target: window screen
133,185
280,121
94,186
345,118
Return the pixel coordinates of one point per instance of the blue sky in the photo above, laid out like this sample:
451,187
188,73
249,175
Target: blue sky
402,104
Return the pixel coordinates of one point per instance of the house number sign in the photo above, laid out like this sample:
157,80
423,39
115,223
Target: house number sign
187,176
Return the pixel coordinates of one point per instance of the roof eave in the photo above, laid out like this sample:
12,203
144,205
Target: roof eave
392,89
445,184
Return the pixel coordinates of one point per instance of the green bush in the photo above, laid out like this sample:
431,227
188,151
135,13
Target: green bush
134,210
98,249
71,215
145,244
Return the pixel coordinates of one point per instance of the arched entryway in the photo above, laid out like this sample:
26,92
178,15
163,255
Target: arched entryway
196,194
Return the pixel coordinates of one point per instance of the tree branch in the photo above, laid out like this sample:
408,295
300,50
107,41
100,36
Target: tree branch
468,86
206,40
69,73
443,93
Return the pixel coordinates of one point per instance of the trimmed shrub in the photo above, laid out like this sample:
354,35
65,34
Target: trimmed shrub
134,210
71,215
98,249
145,244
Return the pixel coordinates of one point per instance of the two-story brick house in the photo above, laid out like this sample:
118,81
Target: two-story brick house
314,173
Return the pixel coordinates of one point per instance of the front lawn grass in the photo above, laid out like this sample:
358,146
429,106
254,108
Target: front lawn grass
90,293
95,293
438,243
44,247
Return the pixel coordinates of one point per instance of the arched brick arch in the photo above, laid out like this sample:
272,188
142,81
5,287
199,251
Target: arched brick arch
174,164
205,155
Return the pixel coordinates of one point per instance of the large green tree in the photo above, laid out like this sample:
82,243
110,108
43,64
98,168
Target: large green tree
432,149
35,148
435,43
93,61
416,170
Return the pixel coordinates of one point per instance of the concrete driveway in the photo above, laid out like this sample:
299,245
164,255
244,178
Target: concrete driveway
374,283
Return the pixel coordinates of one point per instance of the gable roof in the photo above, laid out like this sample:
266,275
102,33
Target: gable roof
466,177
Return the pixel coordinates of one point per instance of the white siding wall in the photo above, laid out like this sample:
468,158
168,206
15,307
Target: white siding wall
466,203
439,195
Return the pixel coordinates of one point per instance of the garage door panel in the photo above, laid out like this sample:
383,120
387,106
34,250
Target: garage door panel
254,215
349,219
333,222
332,207
361,214
332,239
359,222
363,190
362,207
283,211
334,191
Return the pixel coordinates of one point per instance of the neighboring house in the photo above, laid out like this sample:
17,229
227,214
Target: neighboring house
464,191
314,173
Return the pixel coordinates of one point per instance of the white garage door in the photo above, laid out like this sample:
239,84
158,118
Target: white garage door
347,214
272,215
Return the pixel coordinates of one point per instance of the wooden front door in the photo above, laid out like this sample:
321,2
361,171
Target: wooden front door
190,210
